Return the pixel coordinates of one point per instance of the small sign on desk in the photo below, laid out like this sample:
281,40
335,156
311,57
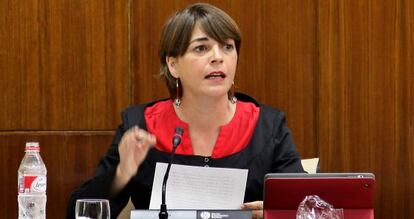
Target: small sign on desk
193,214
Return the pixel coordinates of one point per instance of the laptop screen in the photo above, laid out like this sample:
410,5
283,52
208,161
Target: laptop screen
342,190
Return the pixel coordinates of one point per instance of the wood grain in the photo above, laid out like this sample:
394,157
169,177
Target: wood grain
365,82
64,64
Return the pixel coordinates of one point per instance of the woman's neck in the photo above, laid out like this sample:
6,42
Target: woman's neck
207,112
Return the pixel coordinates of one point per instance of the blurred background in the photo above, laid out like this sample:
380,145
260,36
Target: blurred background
341,70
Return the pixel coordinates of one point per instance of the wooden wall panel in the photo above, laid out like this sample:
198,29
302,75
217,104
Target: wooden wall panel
403,65
365,92
70,159
145,30
65,71
288,78
330,91
406,122
64,64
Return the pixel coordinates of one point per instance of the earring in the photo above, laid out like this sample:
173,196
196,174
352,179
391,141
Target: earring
177,101
233,98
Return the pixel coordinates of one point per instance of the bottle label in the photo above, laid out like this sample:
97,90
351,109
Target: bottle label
36,184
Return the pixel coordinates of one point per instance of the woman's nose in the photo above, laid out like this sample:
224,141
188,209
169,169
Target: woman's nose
216,56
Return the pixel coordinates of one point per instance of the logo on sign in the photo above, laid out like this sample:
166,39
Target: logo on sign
205,215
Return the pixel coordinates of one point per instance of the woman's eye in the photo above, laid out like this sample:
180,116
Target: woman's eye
228,47
200,48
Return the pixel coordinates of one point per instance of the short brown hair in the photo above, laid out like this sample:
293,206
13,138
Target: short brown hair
177,32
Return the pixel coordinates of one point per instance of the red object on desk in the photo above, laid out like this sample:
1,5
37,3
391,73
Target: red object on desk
354,193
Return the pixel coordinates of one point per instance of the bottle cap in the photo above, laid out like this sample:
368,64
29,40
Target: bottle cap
32,146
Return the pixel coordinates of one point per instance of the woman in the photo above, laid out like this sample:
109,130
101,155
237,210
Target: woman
198,52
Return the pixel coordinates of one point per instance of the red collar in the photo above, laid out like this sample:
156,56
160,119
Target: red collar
161,120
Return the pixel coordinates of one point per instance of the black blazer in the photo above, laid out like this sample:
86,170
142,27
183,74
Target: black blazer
270,150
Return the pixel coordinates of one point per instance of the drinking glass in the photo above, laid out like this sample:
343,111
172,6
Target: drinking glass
92,209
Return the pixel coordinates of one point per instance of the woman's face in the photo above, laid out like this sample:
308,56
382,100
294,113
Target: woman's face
207,67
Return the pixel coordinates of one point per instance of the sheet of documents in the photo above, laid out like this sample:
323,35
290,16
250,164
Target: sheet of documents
192,187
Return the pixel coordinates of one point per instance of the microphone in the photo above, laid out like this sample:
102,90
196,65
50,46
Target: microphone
176,140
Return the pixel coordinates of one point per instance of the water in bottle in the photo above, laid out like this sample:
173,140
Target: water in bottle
32,184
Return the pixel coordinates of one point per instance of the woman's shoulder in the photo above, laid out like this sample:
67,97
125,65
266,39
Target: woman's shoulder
134,114
265,110
137,108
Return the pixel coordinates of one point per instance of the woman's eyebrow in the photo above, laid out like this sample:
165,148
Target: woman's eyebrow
199,39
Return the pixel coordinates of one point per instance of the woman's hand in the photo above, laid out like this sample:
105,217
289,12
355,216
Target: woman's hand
256,207
133,149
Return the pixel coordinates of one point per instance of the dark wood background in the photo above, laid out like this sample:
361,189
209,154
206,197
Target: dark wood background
341,70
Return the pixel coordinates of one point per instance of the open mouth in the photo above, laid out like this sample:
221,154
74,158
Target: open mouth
215,75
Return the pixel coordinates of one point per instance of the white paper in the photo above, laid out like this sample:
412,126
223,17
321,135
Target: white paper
193,187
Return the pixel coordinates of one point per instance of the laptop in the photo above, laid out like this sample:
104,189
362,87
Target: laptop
353,192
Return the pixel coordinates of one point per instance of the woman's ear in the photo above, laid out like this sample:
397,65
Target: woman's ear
172,66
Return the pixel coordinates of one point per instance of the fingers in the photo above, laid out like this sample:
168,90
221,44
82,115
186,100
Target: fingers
256,207
257,214
133,149
140,143
142,137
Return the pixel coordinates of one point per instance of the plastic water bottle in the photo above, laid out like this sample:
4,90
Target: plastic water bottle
32,184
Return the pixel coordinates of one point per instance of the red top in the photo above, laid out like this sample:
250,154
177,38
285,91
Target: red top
161,121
